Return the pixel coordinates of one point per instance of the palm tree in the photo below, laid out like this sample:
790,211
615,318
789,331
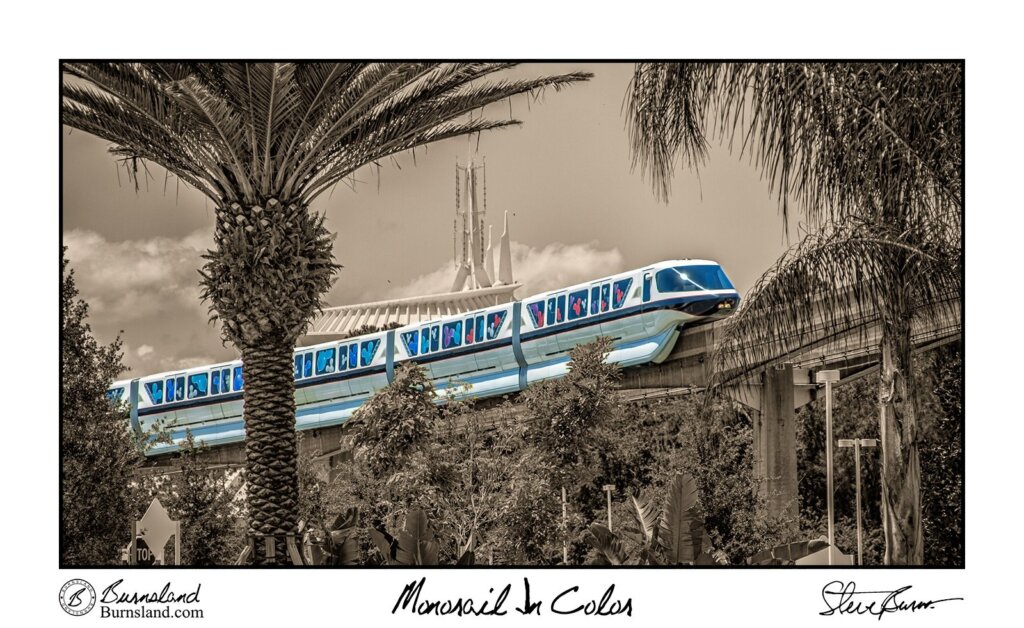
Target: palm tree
872,155
262,141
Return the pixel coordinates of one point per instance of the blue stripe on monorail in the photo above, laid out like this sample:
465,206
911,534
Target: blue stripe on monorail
449,353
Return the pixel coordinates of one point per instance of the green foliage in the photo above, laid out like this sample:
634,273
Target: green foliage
396,419
567,418
566,412
415,543
713,441
939,374
335,545
98,452
942,459
202,499
670,535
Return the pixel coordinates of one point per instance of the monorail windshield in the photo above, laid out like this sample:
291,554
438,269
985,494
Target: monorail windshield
692,279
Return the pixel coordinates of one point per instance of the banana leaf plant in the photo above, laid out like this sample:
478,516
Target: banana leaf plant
416,544
673,534
335,545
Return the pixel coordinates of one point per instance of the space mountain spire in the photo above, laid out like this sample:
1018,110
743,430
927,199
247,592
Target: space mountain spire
474,255
475,287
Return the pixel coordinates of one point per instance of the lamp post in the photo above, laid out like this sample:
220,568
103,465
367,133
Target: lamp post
857,443
828,378
608,488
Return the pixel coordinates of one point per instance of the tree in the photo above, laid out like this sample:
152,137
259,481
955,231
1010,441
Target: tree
202,500
712,441
943,461
566,417
396,419
98,452
872,152
262,141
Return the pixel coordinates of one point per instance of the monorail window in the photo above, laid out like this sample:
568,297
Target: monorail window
425,341
353,356
215,383
225,379
479,333
197,385
451,335
155,390
342,358
324,361
577,304
606,297
411,339
179,389
239,382
368,352
115,394
595,300
470,329
298,366
620,292
170,390
551,311
560,309
494,323
647,287
435,337
307,364
692,279
536,310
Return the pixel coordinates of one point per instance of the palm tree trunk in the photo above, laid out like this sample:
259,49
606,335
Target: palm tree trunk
272,264
272,478
901,469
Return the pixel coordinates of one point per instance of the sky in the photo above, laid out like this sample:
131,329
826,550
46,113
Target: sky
577,211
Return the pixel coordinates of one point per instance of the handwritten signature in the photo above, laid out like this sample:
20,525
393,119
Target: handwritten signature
843,598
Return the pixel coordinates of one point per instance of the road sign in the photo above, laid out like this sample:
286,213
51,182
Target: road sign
156,527
143,555
153,531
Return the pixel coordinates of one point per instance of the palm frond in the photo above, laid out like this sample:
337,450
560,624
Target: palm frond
245,132
839,281
839,138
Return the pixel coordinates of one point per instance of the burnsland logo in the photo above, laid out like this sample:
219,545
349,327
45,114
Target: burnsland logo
77,597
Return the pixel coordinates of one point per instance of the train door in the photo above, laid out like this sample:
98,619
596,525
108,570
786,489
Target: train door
645,298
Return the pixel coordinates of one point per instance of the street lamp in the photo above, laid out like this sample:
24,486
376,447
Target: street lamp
857,443
828,378
608,488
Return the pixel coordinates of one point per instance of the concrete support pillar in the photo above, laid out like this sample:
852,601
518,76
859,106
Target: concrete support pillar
775,442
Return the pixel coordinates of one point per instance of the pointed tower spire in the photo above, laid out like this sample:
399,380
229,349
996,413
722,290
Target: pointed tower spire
489,253
505,257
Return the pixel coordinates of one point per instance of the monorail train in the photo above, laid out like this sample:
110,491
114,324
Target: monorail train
495,351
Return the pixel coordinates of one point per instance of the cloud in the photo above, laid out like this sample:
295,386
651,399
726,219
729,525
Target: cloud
539,269
147,291
139,276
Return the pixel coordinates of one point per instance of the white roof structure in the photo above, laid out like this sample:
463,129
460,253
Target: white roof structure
344,319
